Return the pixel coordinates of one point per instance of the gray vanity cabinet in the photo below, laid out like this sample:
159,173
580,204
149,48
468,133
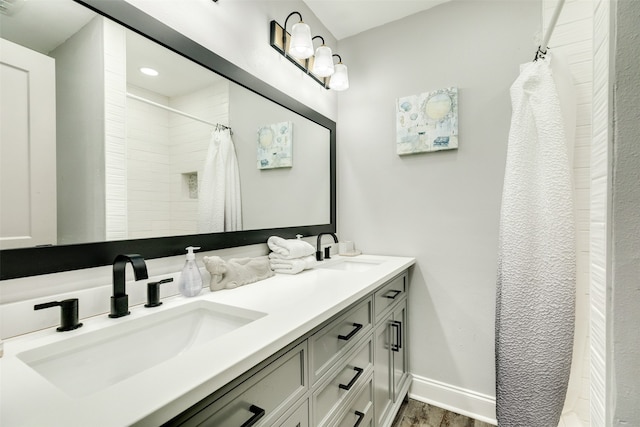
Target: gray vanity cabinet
391,376
351,370
259,400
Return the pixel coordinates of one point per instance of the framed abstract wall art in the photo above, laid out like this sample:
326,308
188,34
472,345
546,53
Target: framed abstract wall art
427,121
275,146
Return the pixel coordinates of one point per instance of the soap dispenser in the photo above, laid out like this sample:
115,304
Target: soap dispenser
190,283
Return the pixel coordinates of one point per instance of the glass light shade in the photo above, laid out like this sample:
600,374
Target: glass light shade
300,44
339,79
323,62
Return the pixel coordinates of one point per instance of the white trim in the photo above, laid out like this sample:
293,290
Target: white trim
456,399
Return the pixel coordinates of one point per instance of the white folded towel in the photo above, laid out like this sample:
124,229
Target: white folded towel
291,266
290,248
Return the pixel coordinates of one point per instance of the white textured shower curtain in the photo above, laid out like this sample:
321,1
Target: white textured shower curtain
535,305
219,203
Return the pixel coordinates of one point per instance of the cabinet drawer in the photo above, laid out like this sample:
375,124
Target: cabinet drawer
262,398
386,296
342,384
331,342
300,418
360,412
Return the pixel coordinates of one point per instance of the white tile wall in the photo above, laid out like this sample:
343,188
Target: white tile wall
115,80
148,165
189,144
572,37
161,147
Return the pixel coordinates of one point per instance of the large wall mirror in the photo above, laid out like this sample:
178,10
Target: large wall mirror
99,158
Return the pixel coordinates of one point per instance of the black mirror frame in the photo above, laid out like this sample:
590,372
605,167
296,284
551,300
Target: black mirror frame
16,263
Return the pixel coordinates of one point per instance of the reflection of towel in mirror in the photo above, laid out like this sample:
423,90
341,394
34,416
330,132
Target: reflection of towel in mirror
236,272
290,266
290,248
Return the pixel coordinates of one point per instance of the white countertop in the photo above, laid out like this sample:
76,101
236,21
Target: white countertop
294,305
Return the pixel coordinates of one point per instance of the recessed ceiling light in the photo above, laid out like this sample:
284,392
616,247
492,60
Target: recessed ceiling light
149,71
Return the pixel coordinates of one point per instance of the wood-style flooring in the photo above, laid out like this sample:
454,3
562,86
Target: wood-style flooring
417,414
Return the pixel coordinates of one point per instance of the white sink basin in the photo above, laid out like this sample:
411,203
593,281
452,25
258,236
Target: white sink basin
358,265
87,363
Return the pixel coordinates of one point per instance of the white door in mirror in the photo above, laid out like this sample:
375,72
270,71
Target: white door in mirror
27,79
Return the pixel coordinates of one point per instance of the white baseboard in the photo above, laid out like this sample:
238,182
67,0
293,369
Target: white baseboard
461,401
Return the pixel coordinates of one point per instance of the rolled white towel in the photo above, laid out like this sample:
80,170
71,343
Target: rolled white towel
291,266
274,256
290,248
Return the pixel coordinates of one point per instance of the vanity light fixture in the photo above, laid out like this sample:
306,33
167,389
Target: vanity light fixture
300,43
340,78
297,47
149,71
322,60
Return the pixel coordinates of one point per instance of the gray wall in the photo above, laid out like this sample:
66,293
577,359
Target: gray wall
625,227
279,197
443,208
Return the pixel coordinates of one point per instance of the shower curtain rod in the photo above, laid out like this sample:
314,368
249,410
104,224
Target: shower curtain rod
542,49
173,110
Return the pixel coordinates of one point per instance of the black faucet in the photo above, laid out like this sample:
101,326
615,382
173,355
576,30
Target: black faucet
120,300
327,253
68,313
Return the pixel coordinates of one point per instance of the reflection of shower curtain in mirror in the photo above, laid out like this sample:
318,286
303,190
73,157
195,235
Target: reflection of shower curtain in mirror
219,204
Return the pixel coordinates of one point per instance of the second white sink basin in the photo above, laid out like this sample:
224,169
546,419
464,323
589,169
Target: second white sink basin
87,363
354,264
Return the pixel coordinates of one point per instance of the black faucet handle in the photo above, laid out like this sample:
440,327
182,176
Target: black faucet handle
327,252
68,313
153,292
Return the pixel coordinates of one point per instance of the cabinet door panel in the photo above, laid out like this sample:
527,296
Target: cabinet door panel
382,373
399,352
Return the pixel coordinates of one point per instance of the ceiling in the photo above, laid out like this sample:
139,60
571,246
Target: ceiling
43,25
345,18
23,23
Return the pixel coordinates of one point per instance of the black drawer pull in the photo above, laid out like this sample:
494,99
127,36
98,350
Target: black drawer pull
356,328
398,327
360,416
392,294
257,414
353,380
